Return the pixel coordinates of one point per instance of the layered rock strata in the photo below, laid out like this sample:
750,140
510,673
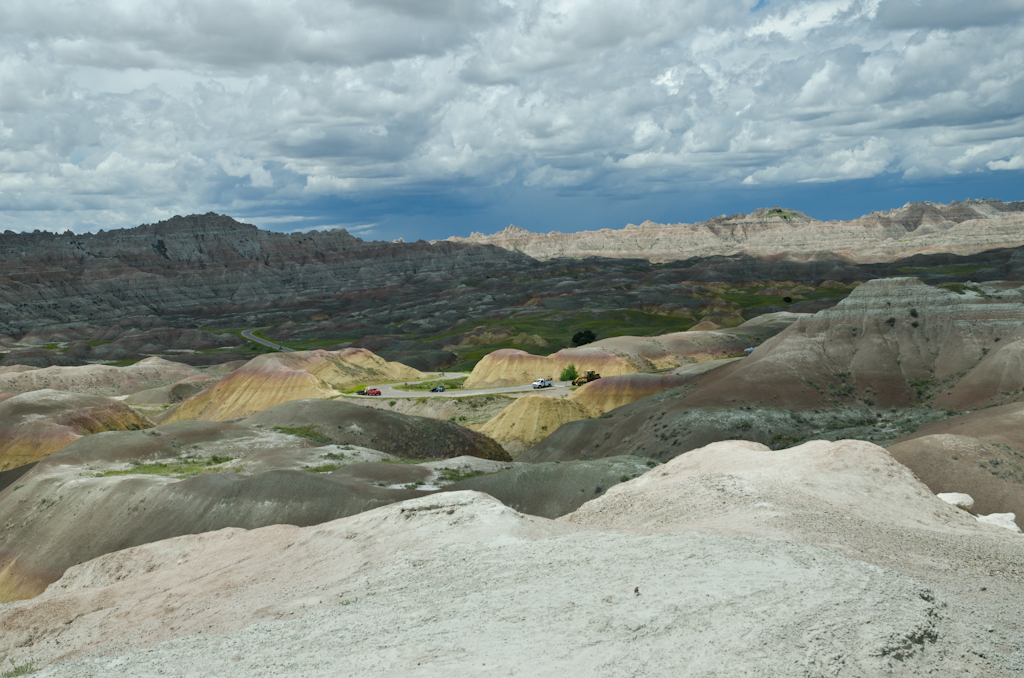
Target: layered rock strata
916,228
276,378
204,266
35,425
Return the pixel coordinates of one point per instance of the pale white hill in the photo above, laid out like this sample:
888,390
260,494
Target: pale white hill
459,585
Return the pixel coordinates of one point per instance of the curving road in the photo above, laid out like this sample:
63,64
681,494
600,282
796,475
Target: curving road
248,334
389,390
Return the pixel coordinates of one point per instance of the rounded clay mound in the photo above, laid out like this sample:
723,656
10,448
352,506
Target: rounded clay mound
34,425
403,435
105,380
530,419
275,378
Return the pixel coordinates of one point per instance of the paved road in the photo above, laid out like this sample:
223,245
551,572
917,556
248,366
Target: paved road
248,334
389,390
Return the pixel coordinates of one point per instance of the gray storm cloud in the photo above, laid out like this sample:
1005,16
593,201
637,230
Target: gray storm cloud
122,112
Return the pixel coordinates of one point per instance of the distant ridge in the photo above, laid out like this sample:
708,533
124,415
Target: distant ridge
961,228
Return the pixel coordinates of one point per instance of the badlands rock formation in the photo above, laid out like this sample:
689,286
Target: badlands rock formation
891,343
980,453
405,436
834,371
110,491
624,355
668,574
207,266
276,378
916,228
34,425
530,419
607,394
105,380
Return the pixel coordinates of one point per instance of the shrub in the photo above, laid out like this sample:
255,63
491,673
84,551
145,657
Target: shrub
583,337
569,373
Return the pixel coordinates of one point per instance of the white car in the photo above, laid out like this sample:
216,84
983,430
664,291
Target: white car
543,383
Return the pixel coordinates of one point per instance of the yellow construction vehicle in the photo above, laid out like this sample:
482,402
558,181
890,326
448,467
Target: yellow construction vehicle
586,378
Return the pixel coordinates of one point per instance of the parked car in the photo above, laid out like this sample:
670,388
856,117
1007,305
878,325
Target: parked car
543,383
373,391
360,392
437,389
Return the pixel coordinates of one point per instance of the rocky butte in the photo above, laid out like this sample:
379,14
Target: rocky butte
208,266
916,228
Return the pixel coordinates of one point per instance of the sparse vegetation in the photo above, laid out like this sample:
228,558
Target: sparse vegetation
454,475
19,669
584,337
307,432
324,468
186,467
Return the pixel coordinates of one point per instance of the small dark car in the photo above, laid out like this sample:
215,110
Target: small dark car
437,389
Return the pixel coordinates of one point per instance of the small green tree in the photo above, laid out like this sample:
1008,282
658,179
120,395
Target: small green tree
569,373
584,337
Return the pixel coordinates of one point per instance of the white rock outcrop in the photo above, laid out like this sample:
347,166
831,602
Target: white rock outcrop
957,499
1007,520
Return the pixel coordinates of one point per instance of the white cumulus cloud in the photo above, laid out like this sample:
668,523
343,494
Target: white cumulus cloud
118,112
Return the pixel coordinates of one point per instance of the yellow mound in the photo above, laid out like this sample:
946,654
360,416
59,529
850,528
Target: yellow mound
609,357
704,326
510,367
605,394
37,424
530,419
276,378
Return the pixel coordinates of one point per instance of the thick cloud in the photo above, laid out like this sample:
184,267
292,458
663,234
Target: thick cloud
114,113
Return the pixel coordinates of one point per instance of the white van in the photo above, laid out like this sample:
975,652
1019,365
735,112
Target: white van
543,383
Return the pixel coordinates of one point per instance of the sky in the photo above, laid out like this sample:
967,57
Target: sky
430,118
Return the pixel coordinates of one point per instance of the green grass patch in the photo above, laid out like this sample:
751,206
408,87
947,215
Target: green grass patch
307,432
454,475
324,468
779,212
356,389
186,467
558,328
14,669
449,384
124,363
